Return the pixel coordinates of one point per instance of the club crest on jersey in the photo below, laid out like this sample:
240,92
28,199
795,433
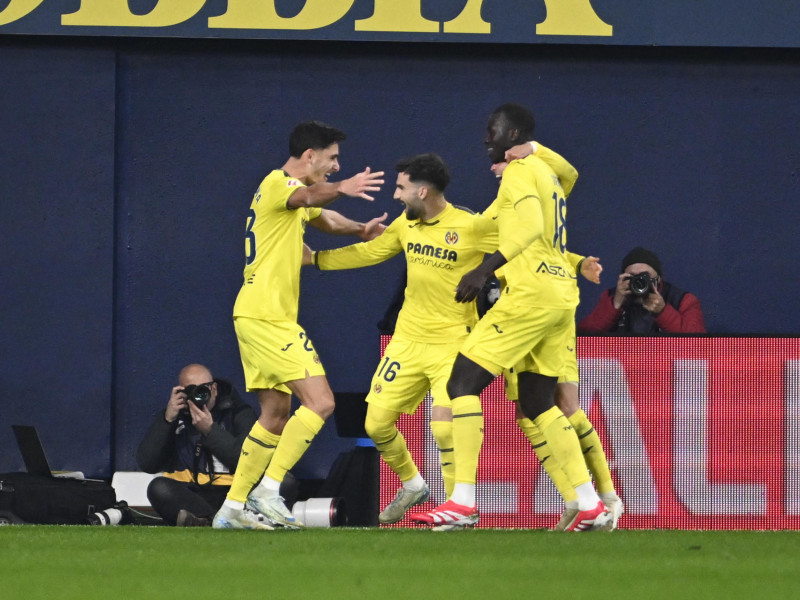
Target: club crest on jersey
378,388
451,237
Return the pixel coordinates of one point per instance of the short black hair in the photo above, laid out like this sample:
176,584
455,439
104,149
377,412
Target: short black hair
313,134
429,168
519,117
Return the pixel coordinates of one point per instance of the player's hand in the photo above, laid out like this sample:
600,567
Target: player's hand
374,227
201,418
591,269
520,151
361,183
471,284
623,292
308,256
498,168
177,402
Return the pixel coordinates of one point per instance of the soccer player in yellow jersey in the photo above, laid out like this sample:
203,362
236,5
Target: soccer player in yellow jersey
528,328
567,396
277,355
441,243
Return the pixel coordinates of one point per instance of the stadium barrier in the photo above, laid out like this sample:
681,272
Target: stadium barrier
700,433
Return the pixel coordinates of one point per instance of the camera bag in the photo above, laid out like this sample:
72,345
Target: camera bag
52,500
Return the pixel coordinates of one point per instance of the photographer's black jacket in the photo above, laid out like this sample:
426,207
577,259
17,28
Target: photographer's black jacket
180,451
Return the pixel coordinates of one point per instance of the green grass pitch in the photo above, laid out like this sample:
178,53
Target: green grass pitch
149,563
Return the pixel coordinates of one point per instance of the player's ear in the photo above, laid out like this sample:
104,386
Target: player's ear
308,155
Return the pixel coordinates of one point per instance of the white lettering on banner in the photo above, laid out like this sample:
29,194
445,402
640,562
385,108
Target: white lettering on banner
605,380
690,445
792,443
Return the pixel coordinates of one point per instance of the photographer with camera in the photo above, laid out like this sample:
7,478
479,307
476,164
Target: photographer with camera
643,302
195,441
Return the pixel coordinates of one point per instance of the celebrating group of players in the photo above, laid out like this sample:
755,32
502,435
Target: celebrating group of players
439,343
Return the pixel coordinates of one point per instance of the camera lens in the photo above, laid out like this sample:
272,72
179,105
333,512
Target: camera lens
640,284
198,394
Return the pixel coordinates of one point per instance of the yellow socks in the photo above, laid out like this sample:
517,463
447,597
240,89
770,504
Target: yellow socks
300,430
467,437
381,428
547,460
593,452
257,450
443,434
563,444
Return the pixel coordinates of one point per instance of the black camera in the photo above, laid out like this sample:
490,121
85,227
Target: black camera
641,284
199,395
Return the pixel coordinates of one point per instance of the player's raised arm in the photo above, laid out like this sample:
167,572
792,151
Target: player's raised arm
325,192
336,223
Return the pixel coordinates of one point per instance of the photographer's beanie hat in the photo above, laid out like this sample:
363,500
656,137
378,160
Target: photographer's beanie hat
641,255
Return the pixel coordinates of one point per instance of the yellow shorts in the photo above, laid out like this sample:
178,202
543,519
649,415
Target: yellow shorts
570,374
524,337
408,370
274,352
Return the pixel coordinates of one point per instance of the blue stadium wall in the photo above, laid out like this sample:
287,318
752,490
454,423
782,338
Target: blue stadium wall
127,167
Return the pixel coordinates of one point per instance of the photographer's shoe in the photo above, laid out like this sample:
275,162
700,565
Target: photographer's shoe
231,518
405,499
273,508
187,519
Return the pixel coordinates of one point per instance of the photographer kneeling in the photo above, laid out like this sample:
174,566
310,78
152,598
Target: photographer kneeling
195,441
643,302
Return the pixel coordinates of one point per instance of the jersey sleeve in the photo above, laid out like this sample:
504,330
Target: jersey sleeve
484,229
520,213
574,259
566,173
363,254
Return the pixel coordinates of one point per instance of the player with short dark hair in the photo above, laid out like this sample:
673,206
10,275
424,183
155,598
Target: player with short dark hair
278,357
441,242
527,329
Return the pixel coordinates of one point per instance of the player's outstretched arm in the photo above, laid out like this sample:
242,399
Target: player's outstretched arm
308,256
591,269
361,183
325,192
336,223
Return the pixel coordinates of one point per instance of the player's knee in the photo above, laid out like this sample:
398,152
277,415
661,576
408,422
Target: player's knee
467,378
568,398
323,405
536,393
379,431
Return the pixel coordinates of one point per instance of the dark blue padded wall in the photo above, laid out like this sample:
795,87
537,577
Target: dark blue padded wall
692,154
57,239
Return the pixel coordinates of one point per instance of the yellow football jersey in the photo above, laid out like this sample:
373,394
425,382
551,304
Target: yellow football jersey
438,254
531,211
274,251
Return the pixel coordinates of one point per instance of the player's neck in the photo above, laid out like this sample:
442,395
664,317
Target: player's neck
434,209
296,168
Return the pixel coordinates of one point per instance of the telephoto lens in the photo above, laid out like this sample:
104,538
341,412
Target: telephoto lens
119,514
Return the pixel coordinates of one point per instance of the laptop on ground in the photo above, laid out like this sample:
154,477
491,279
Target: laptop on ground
30,446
